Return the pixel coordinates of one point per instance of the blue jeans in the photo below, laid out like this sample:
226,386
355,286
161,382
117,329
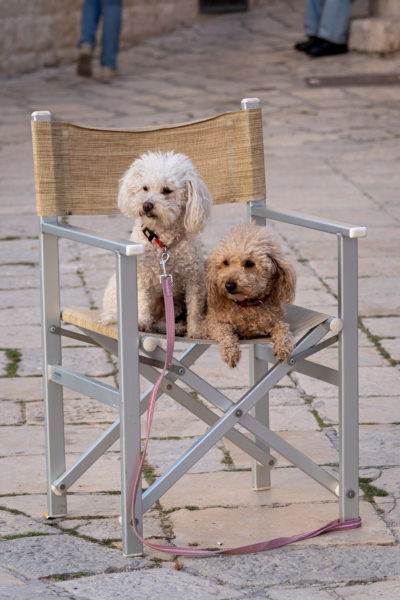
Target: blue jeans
111,11
328,19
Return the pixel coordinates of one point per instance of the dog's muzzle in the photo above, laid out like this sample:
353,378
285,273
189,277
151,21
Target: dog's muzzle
230,286
147,207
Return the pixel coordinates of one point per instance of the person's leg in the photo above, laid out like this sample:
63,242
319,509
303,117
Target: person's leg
335,21
333,29
91,12
112,14
312,16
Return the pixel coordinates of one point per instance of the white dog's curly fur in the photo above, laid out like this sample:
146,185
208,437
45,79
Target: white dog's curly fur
163,192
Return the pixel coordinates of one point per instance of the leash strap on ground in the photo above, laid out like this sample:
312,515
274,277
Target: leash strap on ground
336,525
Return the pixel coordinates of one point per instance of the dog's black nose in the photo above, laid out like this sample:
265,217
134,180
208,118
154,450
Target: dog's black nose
230,285
147,206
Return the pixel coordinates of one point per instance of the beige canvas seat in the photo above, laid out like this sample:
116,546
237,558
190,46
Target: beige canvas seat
77,170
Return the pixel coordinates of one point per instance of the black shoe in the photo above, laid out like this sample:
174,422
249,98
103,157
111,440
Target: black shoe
326,48
312,41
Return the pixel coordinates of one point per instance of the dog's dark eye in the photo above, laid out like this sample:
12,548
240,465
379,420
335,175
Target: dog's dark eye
225,263
166,190
248,264
146,188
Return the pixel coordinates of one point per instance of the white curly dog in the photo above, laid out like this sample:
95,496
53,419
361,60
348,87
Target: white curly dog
170,205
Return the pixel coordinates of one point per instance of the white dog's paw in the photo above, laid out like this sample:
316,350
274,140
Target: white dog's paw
145,326
108,318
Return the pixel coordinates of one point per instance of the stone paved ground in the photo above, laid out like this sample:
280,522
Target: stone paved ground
333,152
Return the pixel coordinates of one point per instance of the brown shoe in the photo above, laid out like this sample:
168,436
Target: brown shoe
107,74
84,65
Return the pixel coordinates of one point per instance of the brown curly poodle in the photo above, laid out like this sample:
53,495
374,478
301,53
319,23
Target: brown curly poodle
248,281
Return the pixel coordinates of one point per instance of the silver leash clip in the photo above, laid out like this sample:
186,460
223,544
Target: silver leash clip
163,262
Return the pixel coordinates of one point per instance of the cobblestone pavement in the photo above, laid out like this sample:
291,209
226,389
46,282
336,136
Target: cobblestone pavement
330,151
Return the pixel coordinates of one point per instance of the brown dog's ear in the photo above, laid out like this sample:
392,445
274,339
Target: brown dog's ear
285,285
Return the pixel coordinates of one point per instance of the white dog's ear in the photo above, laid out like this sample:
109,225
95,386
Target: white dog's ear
127,187
123,193
198,207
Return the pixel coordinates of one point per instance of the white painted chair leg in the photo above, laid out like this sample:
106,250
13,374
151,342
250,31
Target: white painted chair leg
261,474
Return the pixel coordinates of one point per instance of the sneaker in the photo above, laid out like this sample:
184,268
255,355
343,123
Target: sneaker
107,74
84,64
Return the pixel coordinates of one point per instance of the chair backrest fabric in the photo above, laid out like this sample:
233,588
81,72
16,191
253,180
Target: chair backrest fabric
77,169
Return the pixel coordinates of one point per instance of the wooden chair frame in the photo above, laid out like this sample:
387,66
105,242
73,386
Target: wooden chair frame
140,354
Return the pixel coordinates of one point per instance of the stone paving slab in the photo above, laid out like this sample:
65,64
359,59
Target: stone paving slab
211,527
371,591
391,513
77,410
3,363
80,505
77,439
374,381
384,326
298,418
368,356
21,388
87,360
393,348
147,584
11,413
374,409
26,336
31,474
184,425
389,480
163,453
18,525
110,528
34,590
233,488
306,593
379,444
315,444
29,479
285,566
44,556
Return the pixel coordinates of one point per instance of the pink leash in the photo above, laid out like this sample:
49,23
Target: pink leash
166,281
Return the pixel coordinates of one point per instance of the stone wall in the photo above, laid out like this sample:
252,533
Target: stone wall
44,33
380,31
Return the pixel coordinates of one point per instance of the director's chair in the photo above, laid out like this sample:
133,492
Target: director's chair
77,170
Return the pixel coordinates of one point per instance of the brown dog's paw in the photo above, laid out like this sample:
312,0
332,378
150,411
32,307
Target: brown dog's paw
230,354
180,329
195,331
282,352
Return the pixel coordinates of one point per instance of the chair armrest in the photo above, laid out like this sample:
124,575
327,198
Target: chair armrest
85,236
351,231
